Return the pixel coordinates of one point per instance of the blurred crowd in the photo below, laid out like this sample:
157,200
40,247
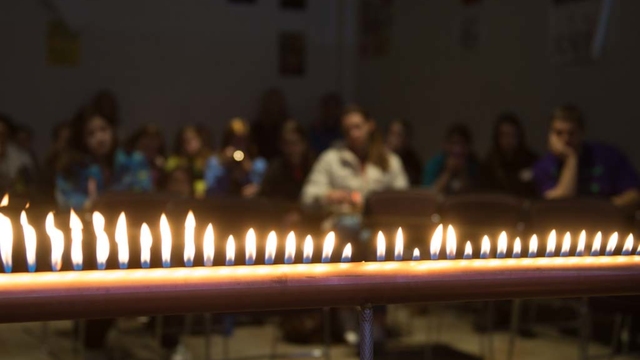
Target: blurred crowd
334,164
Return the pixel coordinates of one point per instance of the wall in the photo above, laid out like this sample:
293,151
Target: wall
430,80
197,61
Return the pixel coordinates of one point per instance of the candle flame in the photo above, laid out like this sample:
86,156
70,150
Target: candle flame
250,247
566,244
451,243
533,246
231,250
517,248
166,240
485,249
595,248
189,239
57,242
146,240
628,245
327,249
122,240
208,247
468,251
75,224
399,253
290,248
270,252
502,245
436,242
102,240
5,200
611,245
382,246
582,240
346,253
416,254
551,244
6,242
308,249
29,241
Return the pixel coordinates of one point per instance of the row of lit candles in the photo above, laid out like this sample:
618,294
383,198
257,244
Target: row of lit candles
56,237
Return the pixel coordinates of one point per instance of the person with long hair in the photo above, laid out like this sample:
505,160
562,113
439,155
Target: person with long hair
149,141
398,140
236,169
325,130
17,168
94,163
508,165
192,151
266,128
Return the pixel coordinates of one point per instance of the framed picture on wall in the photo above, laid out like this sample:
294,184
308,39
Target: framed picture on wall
292,53
295,5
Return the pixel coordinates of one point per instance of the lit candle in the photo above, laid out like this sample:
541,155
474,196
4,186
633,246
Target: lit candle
551,244
399,253
595,248
628,245
6,242
75,224
5,200
166,241
381,244
102,240
436,242
416,254
122,240
581,243
346,253
468,251
290,248
533,246
517,248
208,246
270,251
29,241
566,244
57,242
189,239
611,245
308,250
501,251
327,248
146,240
451,243
231,251
250,247
485,248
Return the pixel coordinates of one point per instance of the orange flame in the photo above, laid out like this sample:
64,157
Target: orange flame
308,249
517,248
551,243
416,254
327,249
189,238
57,242
533,246
346,253
381,244
628,245
485,248
75,224
613,242
566,244
29,240
146,240
6,242
451,243
208,247
399,251
231,250
5,200
290,248
502,245
270,252
250,247
582,240
166,241
122,240
436,242
102,240
468,252
597,241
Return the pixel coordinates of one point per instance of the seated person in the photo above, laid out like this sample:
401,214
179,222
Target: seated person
455,169
399,141
325,130
149,141
192,150
508,166
574,167
17,169
235,170
94,164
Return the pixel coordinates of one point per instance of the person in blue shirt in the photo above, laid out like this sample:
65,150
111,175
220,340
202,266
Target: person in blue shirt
236,169
94,164
455,169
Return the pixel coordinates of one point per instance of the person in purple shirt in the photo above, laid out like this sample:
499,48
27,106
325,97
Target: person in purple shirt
574,167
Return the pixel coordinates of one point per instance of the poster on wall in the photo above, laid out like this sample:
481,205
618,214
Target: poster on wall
63,45
292,53
376,20
573,26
